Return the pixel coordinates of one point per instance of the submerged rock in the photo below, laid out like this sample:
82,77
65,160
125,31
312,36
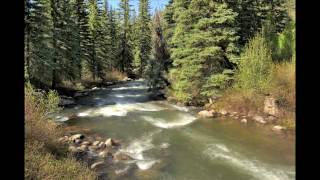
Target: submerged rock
120,156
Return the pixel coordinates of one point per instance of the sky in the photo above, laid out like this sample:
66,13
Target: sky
159,4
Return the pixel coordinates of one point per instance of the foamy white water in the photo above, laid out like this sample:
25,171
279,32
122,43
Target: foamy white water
253,167
162,123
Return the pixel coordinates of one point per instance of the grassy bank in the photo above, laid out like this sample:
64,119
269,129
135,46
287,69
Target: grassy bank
45,157
263,72
251,101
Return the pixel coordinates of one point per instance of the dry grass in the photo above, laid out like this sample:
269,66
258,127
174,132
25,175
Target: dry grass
241,101
45,158
281,87
115,75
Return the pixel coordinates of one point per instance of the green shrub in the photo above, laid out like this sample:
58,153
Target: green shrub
45,157
255,65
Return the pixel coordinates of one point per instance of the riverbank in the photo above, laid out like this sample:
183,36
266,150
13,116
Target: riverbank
45,156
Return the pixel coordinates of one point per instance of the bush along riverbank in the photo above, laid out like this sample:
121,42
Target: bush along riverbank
45,156
262,90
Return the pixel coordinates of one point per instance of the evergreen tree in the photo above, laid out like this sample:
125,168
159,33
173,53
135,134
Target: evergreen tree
94,25
170,22
158,65
144,35
83,34
204,46
125,55
39,26
114,35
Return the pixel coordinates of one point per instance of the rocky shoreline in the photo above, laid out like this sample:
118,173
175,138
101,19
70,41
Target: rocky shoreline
98,154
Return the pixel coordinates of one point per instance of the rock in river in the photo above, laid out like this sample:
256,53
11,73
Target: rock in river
121,156
76,136
207,114
244,121
259,119
278,128
110,142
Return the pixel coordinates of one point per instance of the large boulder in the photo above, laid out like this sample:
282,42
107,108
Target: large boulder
270,106
259,119
207,114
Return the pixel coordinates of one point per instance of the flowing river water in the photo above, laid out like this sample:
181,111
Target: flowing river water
171,142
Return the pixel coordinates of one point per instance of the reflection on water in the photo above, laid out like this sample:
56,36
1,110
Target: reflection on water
169,142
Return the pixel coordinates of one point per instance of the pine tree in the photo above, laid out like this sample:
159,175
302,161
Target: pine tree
170,22
83,34
252,14
144,38
158,65
39,58
125,55
114,35
93,31
204,43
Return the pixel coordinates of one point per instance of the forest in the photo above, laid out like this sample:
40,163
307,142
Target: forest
215,54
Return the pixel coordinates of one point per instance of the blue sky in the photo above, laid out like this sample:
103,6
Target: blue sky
159,4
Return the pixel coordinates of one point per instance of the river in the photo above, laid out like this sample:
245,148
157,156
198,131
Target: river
171,142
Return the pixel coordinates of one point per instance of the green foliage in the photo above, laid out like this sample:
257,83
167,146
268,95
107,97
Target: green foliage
255,65
45,102
204,45
144,35
286,43
160,61
125,57
45,158
217,83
